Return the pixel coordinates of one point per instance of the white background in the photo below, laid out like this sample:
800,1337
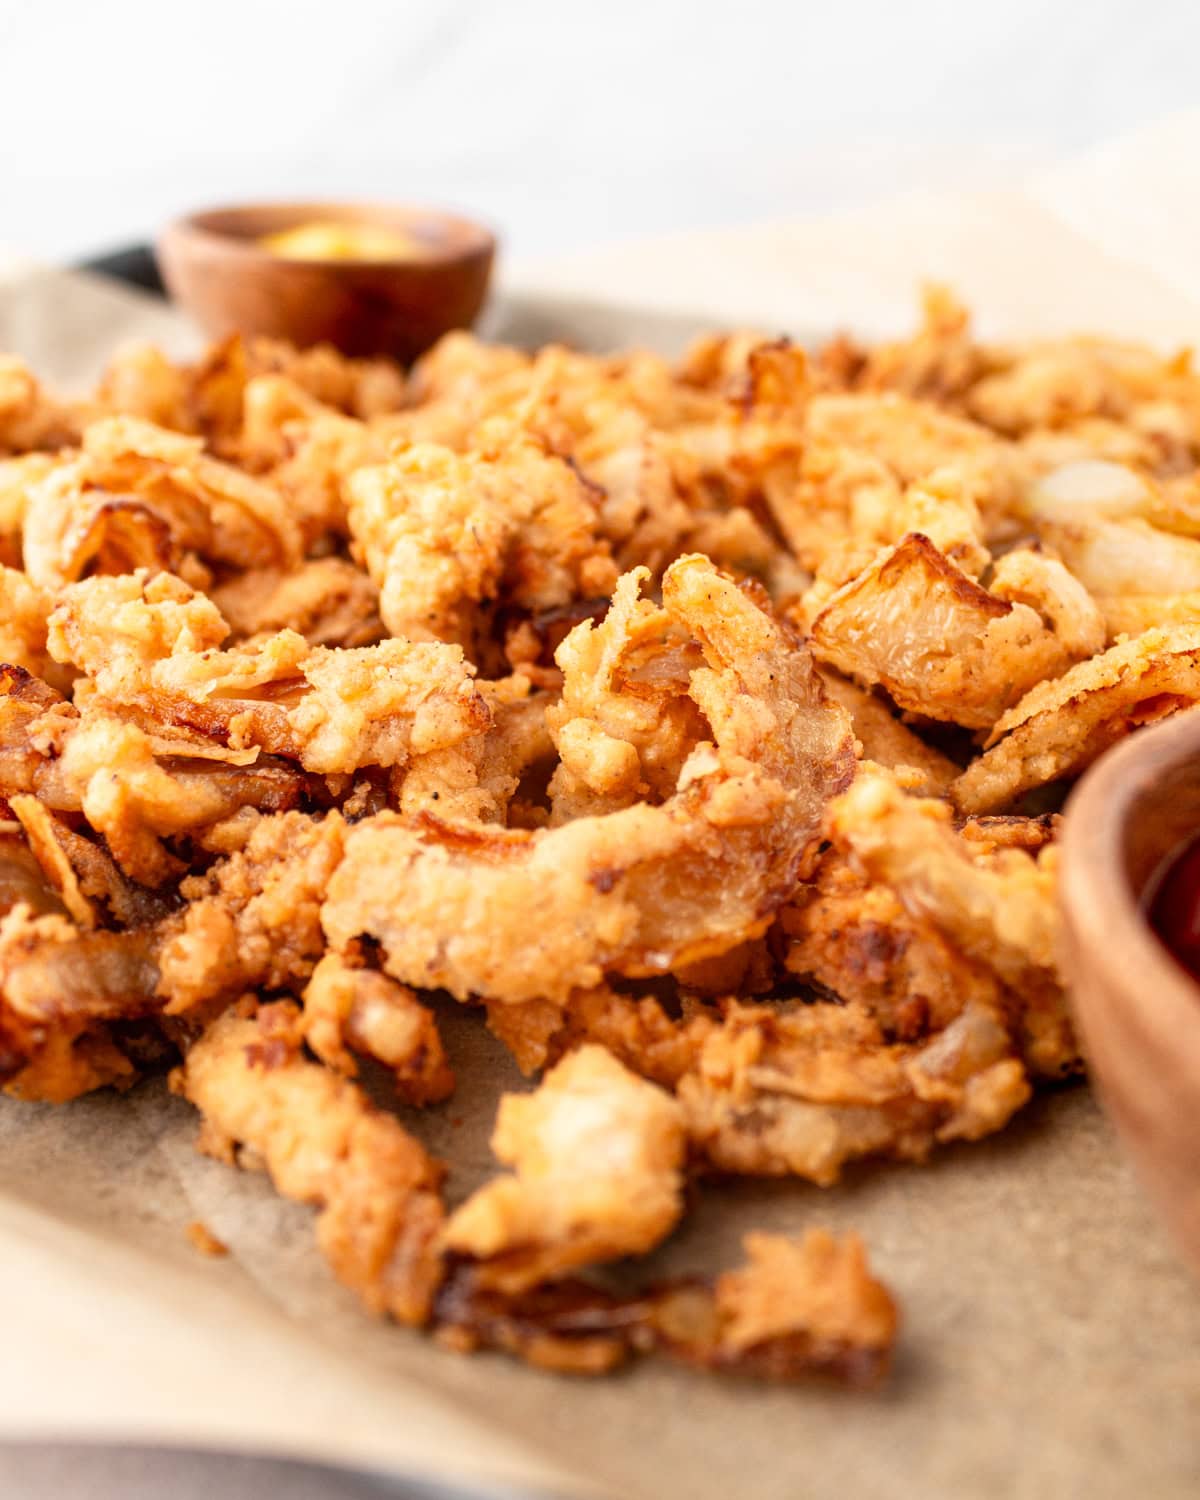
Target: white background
564,124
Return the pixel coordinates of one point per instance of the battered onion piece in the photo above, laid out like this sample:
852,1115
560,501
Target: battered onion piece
637,1031
17,477
852,937
31,418
796,1309
1142,576
59,990
253,921
625,722
140,381
639,891
990,897
800,1091
1001,909
1060,727
885,740
165,497
940,362
807,1306
45,838
147,643
939,644
327,600
479,777
1027,575
306,451
210,397
912,438
83,872
348,1010
817,514
323,1143
1056,383
24,609
443,533
597,1155
139,790
113,628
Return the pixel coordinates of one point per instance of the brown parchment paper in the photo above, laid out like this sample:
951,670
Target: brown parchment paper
1051,1344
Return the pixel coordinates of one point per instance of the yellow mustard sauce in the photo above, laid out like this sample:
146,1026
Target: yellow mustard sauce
328,239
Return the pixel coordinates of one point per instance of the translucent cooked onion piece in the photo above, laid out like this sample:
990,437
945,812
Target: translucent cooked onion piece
941,645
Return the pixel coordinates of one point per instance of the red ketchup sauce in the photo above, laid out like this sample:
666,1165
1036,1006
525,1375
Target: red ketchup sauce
1174,907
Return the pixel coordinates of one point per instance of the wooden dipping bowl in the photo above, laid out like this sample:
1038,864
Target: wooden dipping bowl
215,268
1138,1010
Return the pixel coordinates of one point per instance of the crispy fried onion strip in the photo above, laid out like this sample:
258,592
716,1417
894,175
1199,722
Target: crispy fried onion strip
851,936
253,920
795,1309
999,907
626,721
350,1010
886,740
322,1143
1060,727
141,496
135,791
60,988
795,1089
441,533
637,891
133,787
993,900
148,645
800,1091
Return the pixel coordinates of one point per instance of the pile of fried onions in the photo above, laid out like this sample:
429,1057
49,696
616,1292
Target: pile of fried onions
703,728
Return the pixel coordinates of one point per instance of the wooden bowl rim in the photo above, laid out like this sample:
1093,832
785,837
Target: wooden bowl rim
475,239
1105,914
